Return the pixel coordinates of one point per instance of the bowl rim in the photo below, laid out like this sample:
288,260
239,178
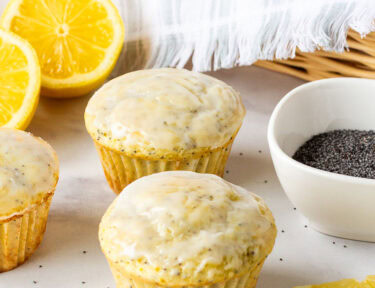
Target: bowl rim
275,147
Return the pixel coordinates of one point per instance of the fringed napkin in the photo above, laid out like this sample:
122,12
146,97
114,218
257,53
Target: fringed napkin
218,34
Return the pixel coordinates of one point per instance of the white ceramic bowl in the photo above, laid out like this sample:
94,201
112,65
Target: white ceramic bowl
335,204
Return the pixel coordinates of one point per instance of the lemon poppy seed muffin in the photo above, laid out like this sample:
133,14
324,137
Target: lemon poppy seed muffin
163,119
186,229
28,177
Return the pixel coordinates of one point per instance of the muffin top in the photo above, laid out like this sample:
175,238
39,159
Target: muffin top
28,171
185,228
167,110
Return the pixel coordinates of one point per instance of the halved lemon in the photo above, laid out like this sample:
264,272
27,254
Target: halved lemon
19,81
370,282
346,283
77,41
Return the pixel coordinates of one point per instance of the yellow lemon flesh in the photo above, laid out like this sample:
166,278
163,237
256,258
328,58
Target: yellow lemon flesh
346,283
370,282
19,81
77,41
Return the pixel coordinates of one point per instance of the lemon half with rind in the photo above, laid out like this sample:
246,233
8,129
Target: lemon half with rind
77,41
370,282
346,283
20,79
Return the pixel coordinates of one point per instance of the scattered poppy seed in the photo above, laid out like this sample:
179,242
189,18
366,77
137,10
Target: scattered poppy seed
260,151
294,208
305,226
84,251
333,242
227,171
282,231
83,282
35,282
241,153
265,181
281,259
345,246
40,266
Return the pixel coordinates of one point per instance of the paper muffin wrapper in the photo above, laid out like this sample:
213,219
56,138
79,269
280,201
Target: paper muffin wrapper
22,234
121,169
247,280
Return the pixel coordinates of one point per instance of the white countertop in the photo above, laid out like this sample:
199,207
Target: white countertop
70,256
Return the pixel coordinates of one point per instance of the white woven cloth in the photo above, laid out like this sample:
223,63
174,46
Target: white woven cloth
225,33
218,34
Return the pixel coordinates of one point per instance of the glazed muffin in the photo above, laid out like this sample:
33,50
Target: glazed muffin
163,119
186,229
28,177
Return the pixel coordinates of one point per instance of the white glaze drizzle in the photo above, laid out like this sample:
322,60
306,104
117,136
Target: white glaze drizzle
179,217
167,108
27,168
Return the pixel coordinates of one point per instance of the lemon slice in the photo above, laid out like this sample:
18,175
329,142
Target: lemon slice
19,81
370,282
77,41
346,283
